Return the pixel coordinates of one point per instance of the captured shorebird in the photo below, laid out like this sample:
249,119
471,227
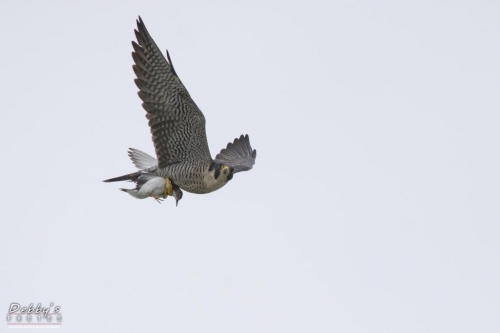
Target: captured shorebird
178,129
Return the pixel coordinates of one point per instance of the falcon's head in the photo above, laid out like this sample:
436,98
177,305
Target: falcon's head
222,171
218,175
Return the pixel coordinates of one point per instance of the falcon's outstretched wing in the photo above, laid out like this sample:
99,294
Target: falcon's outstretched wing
177,124
238,154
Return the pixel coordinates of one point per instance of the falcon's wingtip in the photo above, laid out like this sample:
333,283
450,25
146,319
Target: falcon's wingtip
238,154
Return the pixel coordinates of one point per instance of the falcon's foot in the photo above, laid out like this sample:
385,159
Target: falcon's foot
168,188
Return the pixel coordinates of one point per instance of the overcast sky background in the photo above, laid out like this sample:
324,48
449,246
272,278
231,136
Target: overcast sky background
373,205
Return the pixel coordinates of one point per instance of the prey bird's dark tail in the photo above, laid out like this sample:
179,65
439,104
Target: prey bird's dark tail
131,176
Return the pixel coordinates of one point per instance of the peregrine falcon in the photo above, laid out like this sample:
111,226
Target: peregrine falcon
178,131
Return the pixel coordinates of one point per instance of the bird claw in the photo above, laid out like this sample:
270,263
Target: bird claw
169,190
158,200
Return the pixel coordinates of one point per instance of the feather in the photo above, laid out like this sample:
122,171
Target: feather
238,154
142,160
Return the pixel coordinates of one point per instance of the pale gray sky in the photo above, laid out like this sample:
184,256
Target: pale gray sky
373,205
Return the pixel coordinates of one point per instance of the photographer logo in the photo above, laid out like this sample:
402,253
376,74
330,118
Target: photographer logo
32,316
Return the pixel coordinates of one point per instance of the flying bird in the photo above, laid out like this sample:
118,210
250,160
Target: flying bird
178,131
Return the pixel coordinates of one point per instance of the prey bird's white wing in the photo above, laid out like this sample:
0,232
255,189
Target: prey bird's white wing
142,160
238,154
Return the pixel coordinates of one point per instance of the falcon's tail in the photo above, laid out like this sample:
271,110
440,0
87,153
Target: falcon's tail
130,176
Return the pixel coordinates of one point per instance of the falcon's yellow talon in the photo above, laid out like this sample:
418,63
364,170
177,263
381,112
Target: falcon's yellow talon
168,188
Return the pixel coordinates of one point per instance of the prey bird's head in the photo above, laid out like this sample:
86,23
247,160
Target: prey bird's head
177,194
